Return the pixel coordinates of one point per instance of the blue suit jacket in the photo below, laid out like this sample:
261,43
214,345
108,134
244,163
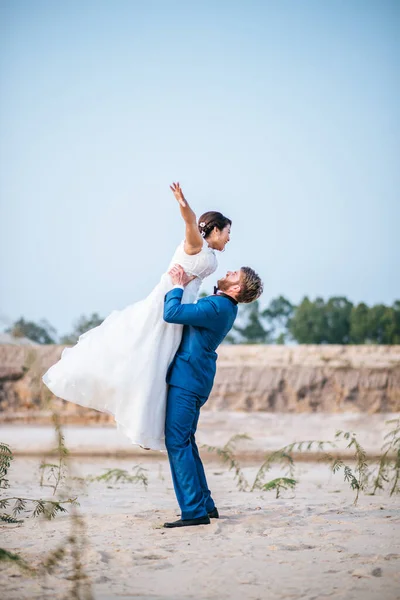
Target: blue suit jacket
206,324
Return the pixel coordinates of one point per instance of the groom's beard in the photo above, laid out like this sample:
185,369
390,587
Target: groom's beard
224,285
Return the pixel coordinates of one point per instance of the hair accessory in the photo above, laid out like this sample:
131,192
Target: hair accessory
202,224
203,234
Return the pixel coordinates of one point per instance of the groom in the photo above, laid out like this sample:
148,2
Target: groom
190,378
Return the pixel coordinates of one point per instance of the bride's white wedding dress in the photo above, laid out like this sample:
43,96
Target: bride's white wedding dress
120,366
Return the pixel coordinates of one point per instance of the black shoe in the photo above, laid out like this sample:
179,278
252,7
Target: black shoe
189,522
214,514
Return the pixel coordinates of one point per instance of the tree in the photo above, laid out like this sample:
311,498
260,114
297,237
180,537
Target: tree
377,324
321,322
41,333
359,324
337,320
278,315
396,311
308,324
252,331
82,325
382,325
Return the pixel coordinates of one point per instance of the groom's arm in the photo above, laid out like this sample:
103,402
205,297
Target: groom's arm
203,314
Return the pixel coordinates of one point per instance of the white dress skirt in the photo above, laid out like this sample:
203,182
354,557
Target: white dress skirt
120,366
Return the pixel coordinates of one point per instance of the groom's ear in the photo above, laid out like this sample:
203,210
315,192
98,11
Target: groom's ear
236,288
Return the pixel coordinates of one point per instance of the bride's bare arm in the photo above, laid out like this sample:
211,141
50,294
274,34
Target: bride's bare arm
193,239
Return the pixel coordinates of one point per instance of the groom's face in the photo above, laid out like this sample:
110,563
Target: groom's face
232,278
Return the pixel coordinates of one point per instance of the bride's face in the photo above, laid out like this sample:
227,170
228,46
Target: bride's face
218,238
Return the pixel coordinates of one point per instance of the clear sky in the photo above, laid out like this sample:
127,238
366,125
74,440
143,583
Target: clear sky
281,114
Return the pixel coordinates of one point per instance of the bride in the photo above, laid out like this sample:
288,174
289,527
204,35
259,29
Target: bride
120,366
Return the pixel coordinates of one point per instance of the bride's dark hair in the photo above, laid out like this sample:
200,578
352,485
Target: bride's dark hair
212,219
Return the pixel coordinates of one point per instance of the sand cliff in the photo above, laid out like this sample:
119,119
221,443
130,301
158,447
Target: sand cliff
292,379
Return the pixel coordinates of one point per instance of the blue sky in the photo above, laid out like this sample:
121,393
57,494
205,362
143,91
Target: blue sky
283,115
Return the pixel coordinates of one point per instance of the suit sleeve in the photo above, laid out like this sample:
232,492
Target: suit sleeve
202,314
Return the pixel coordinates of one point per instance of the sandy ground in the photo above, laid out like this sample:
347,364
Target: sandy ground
311,544
268,432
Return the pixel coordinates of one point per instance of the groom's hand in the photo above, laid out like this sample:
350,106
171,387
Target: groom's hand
179,277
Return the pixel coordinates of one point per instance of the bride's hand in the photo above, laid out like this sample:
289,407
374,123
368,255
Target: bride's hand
177,191
193,240
179,276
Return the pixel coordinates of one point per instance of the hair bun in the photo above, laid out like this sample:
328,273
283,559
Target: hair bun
212,219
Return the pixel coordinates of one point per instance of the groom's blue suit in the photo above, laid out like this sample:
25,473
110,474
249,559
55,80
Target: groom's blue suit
190,378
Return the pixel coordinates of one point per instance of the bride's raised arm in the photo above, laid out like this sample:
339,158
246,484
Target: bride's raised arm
193,239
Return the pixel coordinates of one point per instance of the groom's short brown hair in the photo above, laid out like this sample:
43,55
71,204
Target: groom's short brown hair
251,286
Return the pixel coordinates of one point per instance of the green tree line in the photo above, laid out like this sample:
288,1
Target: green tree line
44,333
332,321
319,321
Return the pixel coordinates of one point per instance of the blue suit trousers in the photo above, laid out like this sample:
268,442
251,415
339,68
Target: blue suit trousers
189,479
